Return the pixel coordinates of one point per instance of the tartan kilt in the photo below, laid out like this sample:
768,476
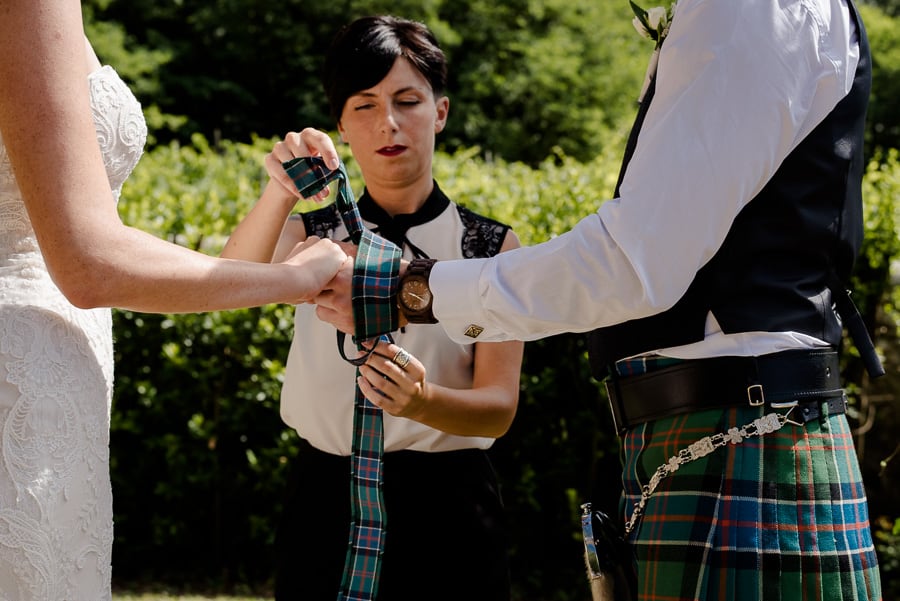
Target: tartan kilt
777,517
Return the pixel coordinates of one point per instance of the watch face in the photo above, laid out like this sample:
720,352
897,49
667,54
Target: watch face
415,294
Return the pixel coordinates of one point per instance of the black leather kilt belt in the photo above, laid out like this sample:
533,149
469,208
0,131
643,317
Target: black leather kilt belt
801,380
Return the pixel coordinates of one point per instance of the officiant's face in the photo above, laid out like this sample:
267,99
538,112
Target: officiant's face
391,126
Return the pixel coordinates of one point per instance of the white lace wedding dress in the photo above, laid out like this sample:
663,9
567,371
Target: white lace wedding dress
56,367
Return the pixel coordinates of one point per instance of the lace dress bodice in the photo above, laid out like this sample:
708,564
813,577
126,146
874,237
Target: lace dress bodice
56,367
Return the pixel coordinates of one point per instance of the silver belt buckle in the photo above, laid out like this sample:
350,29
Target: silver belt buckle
755,395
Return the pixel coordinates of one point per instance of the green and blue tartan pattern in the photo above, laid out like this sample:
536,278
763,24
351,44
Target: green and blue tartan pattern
368,519
374,278
375,272
779,517
311,176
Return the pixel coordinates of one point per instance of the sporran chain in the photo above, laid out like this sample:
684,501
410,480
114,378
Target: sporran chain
771,422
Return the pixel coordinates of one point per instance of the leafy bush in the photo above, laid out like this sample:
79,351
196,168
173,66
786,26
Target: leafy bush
524,76
884,39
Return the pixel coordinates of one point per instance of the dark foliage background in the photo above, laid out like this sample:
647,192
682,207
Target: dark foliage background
526,77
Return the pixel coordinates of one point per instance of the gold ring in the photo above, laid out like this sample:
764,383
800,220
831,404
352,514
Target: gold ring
401,359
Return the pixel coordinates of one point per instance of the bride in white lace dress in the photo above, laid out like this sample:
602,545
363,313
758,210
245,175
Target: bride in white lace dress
70,133
55,389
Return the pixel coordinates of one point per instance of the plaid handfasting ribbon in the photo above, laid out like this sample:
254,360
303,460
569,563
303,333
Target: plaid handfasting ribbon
375,275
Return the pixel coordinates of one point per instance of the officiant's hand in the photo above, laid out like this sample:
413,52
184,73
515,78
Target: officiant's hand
309,142
394,380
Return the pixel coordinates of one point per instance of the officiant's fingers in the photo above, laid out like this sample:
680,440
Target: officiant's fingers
291,147
319,143
399,391
396,363
278,174
378,396
382,392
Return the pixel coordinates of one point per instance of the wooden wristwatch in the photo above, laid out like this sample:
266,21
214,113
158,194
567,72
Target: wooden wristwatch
414,296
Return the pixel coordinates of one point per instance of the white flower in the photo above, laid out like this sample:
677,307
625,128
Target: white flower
639,27
657,18
653,23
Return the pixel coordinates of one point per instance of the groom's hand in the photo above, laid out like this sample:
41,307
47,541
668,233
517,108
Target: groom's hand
334,303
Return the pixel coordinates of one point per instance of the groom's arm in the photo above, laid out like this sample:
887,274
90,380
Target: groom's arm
735,95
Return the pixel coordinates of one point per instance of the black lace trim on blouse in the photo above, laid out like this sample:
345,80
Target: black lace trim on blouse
322,222
482,236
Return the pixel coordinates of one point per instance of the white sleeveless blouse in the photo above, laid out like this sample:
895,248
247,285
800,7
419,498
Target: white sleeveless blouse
319,387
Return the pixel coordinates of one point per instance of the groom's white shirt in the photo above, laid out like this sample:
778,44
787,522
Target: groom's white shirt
739,85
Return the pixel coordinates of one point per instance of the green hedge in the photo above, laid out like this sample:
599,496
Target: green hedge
199,452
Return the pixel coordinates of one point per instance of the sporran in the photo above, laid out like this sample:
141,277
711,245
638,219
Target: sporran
610,562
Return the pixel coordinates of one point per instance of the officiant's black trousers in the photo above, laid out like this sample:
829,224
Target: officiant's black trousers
446,535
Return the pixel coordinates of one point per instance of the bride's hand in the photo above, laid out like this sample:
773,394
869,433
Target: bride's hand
319,259
309,142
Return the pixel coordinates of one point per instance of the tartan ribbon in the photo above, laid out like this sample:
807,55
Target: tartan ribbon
376,270
311,176
368,520
375,274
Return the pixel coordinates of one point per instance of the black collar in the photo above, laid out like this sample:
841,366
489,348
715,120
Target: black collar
395,228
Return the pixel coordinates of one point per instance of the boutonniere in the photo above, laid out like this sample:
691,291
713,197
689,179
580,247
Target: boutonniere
652,24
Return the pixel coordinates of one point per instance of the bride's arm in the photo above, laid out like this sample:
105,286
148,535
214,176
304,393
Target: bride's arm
95,259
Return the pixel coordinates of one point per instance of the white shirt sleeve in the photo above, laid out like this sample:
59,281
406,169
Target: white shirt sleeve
739,85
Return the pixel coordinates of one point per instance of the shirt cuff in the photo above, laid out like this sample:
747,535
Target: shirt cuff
458,302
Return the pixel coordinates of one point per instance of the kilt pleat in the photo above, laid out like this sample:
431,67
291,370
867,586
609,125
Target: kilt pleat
780,517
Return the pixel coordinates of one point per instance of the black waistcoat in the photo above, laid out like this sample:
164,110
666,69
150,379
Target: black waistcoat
772,272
